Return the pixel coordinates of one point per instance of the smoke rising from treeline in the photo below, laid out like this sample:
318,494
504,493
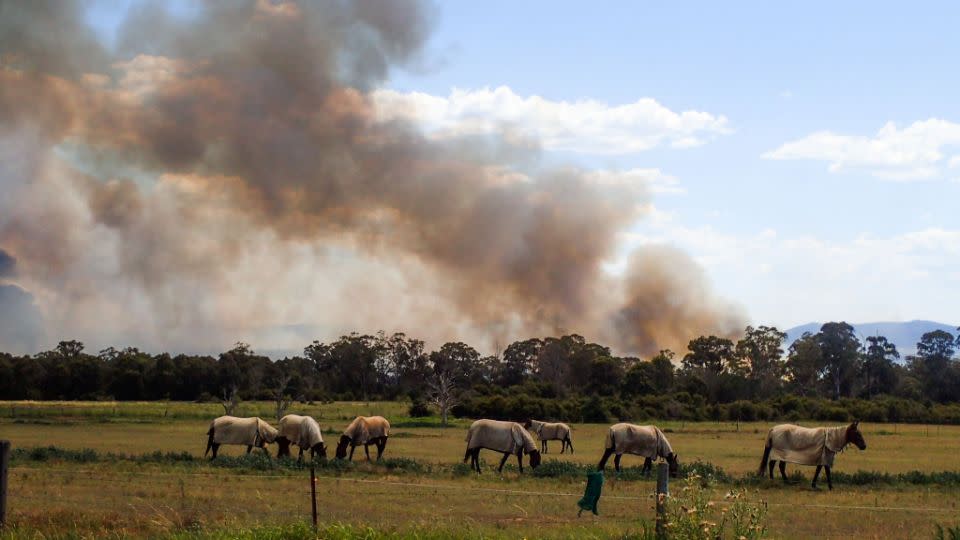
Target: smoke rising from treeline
227,170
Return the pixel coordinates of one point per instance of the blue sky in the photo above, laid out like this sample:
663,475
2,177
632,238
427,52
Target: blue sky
778,74
795,226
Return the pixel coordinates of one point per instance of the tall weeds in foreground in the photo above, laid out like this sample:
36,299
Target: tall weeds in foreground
692,515
946,533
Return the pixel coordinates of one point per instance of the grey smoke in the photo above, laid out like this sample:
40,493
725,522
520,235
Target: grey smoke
246,132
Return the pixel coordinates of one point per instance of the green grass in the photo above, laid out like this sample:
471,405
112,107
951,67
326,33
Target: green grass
85,470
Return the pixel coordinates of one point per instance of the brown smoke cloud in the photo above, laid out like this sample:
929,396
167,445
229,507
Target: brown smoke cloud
215,173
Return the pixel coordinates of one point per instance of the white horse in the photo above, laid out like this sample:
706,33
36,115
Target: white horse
249,432
547,431
646,441
808,446
506,437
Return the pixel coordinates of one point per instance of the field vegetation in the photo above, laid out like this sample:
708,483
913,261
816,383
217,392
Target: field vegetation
94,469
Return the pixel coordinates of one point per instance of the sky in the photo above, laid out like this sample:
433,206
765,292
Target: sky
806,158
831,190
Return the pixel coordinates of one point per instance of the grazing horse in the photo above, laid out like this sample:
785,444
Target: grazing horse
365,430
250,432
550,432
808,446
506,437
302,431
646,441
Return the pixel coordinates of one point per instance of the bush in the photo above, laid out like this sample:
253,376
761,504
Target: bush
561,469
48,453
594,411
691,515
419,409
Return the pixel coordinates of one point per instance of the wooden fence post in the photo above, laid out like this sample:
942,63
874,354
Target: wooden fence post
4,470
313,494
663,491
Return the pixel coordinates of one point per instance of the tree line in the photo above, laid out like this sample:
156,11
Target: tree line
831,365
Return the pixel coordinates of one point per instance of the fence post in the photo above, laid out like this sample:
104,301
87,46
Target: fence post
313,494
663,492
4,470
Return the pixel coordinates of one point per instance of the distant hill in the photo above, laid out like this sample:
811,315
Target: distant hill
904,335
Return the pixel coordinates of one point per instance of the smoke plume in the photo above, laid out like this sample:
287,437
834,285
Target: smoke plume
215,173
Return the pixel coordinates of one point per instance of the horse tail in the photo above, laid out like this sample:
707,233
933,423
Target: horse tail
466,456
766,456
209,441
569,442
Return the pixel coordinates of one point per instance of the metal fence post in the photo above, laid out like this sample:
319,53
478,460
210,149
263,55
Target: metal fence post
313,494
4,470
663,492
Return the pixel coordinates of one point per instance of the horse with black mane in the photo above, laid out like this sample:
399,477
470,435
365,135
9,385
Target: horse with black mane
808,446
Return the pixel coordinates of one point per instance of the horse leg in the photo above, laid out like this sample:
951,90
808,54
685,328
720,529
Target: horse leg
213,448
647,467
815,476
352,448
829,482
366,448
300,458
603,460
773,463
783,471
381,446
502,461
570,444
520,460
476,459
249,448
563,446
616,462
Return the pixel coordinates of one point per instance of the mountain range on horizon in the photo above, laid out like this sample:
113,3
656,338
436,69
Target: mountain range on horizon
904,335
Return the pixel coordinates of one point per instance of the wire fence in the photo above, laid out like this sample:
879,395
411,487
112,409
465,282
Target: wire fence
178,479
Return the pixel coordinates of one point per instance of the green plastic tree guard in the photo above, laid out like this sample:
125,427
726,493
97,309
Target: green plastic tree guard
591,496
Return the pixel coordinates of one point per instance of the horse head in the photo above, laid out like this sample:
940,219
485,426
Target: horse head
321,449
673,462
534,458
527,423
854,436
342,447
284,446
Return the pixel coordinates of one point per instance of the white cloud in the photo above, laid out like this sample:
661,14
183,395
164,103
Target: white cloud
788,280
654,180
911,153
584,126
954,162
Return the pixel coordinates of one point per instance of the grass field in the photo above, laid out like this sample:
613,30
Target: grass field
123,496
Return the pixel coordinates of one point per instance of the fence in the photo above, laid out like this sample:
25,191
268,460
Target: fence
177,497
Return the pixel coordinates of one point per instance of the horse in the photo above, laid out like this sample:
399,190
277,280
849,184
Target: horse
808,446
646,441
302,431
506,437
550,432
252,432
365,430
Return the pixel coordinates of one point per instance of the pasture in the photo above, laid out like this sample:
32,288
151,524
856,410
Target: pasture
123,489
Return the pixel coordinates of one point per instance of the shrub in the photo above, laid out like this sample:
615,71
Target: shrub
419,409
691,515
561,469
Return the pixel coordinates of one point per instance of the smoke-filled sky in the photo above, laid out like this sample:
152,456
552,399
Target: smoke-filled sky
180,178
